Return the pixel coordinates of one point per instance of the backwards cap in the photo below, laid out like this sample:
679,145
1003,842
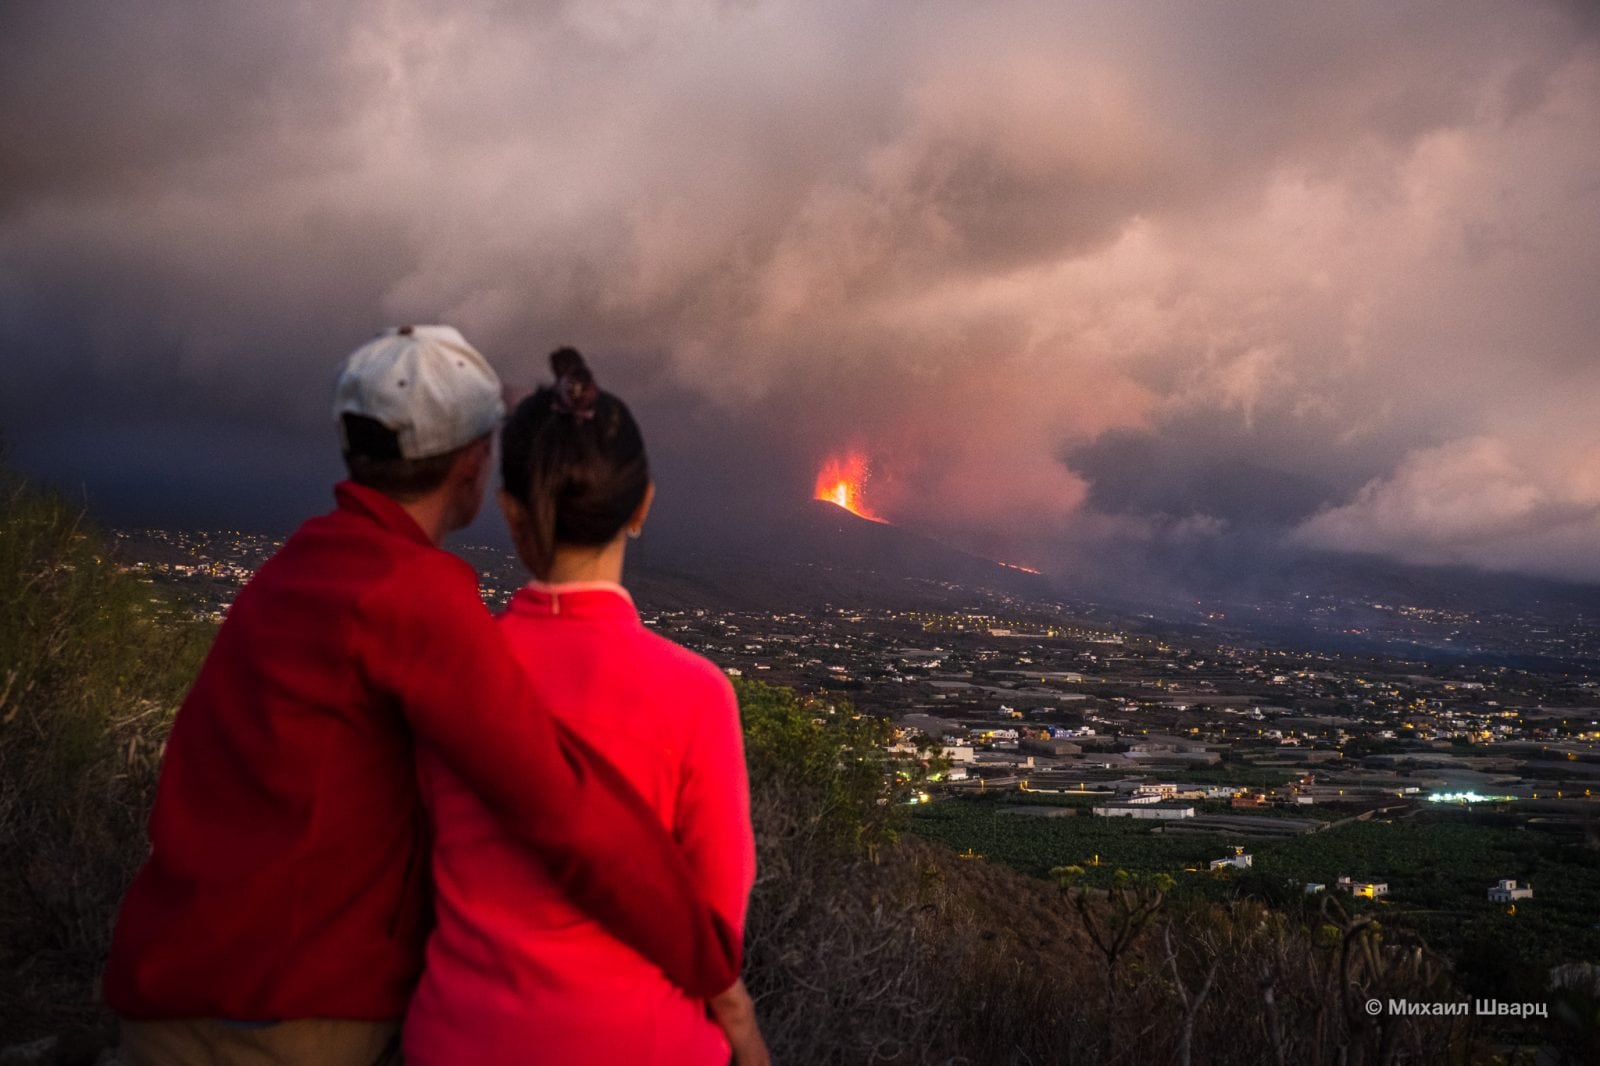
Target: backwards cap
425,384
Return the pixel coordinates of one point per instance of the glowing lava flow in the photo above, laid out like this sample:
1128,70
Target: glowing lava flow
840,482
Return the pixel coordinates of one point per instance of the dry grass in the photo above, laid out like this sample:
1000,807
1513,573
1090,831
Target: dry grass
922,957
92,663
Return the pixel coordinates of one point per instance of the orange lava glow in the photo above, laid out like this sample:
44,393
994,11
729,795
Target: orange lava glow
1019,566
840,482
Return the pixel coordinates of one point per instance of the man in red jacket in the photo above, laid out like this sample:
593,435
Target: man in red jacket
282,912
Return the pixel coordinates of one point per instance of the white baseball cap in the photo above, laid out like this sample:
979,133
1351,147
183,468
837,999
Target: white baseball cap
426,384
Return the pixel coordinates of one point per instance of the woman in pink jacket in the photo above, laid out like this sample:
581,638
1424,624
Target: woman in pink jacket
516,973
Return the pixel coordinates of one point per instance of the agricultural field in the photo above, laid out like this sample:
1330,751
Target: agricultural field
1035,845
1438,871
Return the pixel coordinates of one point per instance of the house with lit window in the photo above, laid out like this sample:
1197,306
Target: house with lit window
1363,889
1239,860
1507,890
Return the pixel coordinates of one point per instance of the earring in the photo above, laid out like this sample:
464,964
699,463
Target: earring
634,532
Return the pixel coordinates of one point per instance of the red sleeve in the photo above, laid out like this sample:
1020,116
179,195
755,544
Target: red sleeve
713,812
431,642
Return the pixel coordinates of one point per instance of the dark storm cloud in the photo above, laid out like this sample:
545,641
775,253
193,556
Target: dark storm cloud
1197,472
1067,273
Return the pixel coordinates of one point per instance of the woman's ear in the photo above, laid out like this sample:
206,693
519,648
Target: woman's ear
516,521
516,517
520,523
636,524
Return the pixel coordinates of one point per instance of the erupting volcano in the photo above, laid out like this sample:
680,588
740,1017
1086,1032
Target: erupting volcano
840,482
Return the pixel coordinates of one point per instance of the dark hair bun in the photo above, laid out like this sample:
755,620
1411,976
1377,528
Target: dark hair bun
568,363
575,391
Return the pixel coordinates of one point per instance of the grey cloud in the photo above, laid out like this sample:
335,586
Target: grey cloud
1067,273
1180,473
104,98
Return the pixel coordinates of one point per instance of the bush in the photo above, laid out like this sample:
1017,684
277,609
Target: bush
837,940
93,662
831,762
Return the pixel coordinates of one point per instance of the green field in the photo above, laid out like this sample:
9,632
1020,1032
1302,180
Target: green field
1438,871
1034,845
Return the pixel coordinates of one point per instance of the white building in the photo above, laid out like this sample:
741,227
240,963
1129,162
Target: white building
1506,890
1239,860
1143,810
1364,889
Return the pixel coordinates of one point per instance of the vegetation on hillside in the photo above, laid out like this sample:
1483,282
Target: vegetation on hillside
93,662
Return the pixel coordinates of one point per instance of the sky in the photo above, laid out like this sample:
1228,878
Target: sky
1072,277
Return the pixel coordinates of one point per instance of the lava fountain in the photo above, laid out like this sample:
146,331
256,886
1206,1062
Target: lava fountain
840,482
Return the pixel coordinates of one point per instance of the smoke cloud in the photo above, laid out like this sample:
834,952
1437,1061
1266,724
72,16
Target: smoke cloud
1067,274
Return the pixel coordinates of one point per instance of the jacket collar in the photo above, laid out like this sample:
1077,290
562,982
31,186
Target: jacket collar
375,506
603,600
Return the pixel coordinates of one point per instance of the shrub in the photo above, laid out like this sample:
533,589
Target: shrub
92,664
838,940
830,762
